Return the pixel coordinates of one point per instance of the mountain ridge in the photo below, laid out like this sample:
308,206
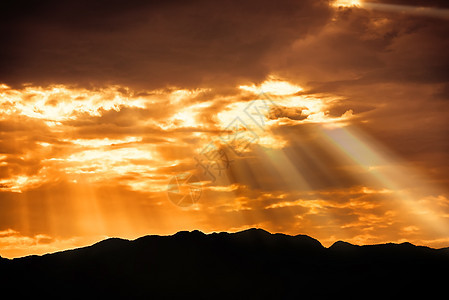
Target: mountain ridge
248,264
252,231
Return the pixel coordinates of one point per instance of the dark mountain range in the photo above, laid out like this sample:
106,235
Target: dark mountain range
250,264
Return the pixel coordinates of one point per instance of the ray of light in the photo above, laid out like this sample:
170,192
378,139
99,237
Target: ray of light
273,86
387,170
346,3
130,162
408,9
428,11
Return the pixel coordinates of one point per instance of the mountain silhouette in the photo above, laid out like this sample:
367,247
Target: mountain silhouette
251,264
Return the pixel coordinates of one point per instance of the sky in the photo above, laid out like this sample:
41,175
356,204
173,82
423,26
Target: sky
128,118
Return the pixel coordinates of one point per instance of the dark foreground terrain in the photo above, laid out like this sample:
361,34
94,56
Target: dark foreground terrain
249,264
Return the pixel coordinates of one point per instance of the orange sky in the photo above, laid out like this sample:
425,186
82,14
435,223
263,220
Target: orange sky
316,118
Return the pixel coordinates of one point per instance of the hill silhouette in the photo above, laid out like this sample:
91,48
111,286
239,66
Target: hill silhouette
251,264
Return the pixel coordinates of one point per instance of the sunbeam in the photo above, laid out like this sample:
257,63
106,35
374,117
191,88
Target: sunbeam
424,11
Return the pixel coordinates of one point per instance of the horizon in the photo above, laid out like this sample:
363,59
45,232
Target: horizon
315,117
218,232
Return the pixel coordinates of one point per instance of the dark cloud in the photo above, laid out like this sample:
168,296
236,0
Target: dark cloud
293,113
149,43
361,46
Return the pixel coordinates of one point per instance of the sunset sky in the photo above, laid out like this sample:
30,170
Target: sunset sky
325,118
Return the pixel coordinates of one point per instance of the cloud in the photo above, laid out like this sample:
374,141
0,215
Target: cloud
14,244
369,46
103,103
150,44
